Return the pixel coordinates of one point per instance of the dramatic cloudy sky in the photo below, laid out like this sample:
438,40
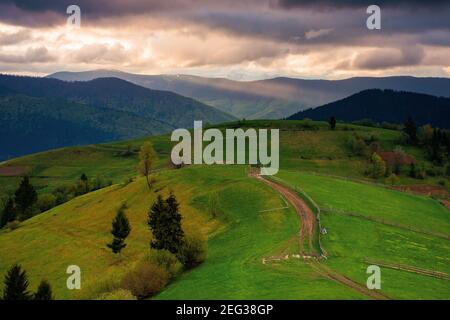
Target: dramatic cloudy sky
240,39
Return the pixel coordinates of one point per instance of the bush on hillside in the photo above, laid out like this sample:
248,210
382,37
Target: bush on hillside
358,146
62,194
119,294
46,202
392,179
13,225
378,166
145,281
166,260
193,251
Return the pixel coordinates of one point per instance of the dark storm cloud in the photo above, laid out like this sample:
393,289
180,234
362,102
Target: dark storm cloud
389,58
295,26
359,3
280,19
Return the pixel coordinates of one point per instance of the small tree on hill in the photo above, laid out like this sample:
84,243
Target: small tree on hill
16,284
392,179
378,166
25,196
332,123
8,214
147,156
44,291
120,230
164,220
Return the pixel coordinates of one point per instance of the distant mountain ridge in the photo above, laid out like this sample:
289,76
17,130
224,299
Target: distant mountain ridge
272,98
38,114
384,106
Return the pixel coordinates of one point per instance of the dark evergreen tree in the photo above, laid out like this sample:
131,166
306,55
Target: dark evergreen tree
16,284
120,230
332,123
436,153
25,196
44,291
410,130
85,181
164,221
8,214
412,170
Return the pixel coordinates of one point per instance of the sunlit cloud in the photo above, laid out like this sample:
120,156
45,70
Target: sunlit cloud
237,39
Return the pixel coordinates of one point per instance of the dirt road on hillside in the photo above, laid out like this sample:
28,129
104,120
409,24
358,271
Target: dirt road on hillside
307,216
308,225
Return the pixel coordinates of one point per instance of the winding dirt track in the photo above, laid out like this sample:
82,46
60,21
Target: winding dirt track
307,217
308,224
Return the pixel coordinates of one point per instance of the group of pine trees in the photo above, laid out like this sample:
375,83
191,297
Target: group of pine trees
164,220
20,206
25,202
16,286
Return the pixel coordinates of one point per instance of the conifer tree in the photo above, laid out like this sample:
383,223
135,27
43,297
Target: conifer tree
44,291
410,130
16,284
25,196
164,221
332,123
120,230
8,214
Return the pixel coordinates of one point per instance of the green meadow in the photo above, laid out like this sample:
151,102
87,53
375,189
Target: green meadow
364,220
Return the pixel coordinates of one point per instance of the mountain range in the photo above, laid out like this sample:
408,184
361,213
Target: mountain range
266,99
41,113
384,106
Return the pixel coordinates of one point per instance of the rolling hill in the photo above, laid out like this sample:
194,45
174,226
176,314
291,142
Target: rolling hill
40,113
384,106
266,99
365,220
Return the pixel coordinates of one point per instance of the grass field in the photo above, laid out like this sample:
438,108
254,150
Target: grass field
381,232
301,149
363,219
239,239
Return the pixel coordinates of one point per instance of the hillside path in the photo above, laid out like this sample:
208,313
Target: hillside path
307,216
308,223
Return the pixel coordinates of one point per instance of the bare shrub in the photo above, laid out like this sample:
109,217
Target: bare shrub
145,281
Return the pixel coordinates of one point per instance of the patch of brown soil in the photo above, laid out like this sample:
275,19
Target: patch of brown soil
393,158
13,171
446,203
428,190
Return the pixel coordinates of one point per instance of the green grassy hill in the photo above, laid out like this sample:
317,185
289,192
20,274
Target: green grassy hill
364,219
